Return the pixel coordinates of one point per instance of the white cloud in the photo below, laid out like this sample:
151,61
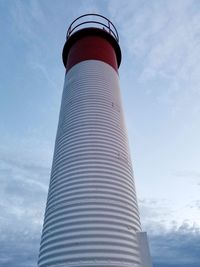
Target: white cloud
171,243
163,38
23,194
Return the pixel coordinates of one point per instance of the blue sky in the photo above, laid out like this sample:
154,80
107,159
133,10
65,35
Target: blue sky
160,86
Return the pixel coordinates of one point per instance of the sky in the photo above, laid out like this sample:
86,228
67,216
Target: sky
160,87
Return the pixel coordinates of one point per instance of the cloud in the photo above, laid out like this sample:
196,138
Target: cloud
171,243
31,30
19,244
177,247
44,71
155,215
26,17
162,40
24,184
164,35
189,174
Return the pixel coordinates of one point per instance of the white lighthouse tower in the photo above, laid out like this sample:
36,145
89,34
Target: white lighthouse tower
91,217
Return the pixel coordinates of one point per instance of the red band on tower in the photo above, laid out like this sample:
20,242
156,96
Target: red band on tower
91,44
92,47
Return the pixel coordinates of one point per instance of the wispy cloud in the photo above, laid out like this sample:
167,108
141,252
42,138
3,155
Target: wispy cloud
24,175
26,18
155,214
30,25
43,70
23,194
189,174
164,39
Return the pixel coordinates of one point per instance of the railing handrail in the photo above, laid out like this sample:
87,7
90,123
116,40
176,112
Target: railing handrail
109,26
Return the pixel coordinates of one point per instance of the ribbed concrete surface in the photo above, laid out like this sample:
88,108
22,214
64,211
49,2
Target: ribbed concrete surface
91,215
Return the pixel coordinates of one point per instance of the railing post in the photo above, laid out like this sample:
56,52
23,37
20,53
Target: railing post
109,25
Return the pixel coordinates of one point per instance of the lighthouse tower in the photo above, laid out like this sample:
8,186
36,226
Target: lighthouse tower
91,216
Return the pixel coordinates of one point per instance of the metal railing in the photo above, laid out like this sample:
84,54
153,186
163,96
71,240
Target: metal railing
99,21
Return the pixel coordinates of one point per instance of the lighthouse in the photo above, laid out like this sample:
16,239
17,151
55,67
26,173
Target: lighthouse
91,216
